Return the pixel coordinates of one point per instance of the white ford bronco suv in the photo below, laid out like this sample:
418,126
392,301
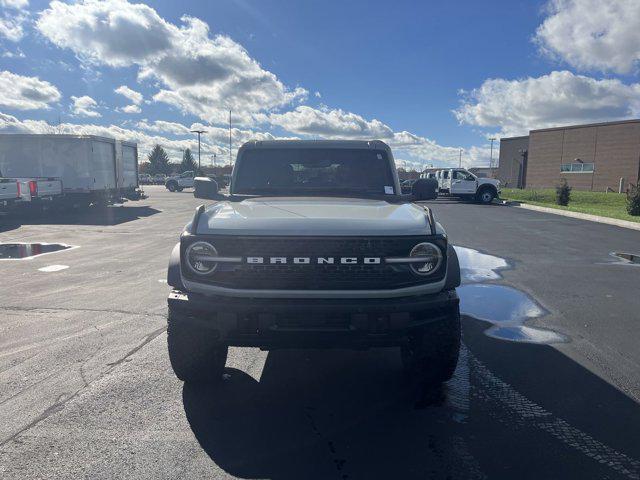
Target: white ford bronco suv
315,246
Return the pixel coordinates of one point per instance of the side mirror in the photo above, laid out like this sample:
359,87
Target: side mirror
205,187
425,189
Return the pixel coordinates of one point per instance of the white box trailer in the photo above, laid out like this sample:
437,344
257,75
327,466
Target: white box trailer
90,167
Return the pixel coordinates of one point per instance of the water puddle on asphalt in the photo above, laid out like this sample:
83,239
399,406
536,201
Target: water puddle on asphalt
53,268
506,308
476,266
23,251
627,258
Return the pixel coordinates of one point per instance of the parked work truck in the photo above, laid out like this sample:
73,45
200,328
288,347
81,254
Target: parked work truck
461,183
29,192
91,169
315,246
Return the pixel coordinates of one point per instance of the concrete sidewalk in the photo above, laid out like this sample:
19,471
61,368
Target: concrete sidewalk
581,216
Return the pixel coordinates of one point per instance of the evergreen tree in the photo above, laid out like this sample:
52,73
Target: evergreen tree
188,162
158,161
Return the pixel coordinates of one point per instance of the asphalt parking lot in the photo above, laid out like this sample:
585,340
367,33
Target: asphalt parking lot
548,384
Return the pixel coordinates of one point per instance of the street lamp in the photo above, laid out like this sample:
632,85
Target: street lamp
199,132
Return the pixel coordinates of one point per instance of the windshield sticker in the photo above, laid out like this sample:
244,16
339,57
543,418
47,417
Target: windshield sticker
388,190
379,156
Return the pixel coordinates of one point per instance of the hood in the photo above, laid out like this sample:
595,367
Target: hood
491,181
309,216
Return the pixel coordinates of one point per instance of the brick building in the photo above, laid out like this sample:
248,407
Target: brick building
591,157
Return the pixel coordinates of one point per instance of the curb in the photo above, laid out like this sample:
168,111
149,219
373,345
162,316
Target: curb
581,216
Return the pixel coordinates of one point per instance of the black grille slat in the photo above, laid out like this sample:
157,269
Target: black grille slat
313,276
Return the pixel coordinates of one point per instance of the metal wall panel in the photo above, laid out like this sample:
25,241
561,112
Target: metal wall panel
102,164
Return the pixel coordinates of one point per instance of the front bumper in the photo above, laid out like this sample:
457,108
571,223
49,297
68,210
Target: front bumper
311,323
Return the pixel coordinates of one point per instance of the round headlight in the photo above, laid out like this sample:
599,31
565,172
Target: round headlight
431,255
196,256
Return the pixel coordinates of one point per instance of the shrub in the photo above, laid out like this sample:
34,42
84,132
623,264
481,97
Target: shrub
563,193
633,200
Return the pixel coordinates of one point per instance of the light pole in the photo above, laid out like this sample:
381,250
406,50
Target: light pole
460,160
491,158
229,136
199,132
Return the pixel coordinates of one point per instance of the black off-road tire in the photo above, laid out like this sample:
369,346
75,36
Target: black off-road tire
196,354
172,186
432,353
179,189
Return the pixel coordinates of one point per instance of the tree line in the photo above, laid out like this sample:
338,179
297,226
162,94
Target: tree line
158,162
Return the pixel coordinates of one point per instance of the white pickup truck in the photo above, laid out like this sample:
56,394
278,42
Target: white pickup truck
176,183
29,192
464,184
37,190
9,193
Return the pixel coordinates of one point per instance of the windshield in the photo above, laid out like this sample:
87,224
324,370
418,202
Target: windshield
310,171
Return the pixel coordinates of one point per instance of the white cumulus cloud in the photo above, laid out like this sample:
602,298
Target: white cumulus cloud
560,98
26,93
200,74
11,124
12,25
16,4
593,34
135,97
85,107
329,123
131,109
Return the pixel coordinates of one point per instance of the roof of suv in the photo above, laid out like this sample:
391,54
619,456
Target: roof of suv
364,144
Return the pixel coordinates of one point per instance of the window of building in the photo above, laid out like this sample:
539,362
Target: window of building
577,167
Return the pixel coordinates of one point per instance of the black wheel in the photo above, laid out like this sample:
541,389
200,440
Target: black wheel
432,353
195,353
171,186
179,189
486,196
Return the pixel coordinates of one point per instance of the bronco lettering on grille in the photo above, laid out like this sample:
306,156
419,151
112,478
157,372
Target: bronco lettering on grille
314,260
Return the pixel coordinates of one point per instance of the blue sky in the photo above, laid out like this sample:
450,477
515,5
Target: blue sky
429,78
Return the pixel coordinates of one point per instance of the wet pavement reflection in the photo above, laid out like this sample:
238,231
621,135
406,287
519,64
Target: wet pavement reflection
627,257
507,308
16,251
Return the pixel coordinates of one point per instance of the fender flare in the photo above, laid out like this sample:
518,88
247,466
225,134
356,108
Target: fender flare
487,186
453,269
174,277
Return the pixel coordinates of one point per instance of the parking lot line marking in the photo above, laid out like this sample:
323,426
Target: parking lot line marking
53,268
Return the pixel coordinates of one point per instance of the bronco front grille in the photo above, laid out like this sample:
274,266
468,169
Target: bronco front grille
315,276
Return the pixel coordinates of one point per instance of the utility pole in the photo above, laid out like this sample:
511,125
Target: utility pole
199,132
491,158
460,160
230,137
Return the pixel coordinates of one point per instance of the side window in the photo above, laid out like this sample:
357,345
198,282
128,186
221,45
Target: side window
445,174
461,175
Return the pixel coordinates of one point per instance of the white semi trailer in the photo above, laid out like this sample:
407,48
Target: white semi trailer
92,169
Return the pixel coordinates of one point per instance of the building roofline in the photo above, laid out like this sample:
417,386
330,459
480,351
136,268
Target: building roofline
586,125
513,138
